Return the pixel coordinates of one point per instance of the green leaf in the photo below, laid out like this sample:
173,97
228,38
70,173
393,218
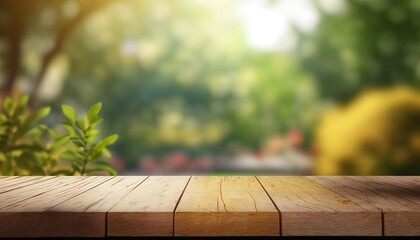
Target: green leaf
95,120
53,133
31,121
39,114
81,125
70,156
92,114
60,142
8,106
90,139
106,153
69,113
79,132
78,142
69,129
94,155
106,142
3,118
92,132
23,102
35,133
26,147
42,127
106,167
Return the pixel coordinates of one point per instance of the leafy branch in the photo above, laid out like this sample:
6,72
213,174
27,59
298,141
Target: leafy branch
30,148
17,151
82,134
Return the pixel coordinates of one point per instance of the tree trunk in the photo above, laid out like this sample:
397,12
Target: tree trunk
14,33
61,37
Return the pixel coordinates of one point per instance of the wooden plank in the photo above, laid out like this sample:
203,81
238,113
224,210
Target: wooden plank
101,198
24,212
49,224
226,206
9,184
9,177
42,186
308,209
397,197
148,209
406,191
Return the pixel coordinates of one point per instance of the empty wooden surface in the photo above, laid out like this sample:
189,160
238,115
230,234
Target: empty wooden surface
226,206
24,211
209,206
397,197
9,184
148,209
309,209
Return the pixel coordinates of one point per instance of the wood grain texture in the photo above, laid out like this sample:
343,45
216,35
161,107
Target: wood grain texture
308,209
54,191
9,184
208,206
397,197
226,206
100,198
5,179
148,209
39,187
24,212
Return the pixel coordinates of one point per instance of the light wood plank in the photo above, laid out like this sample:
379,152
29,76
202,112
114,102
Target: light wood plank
101,198
397,197
226,206
24,212
9,177
210,206
407,189
148,209
39,186
7,184
309,209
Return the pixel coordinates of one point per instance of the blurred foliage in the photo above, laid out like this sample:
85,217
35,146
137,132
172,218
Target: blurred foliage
20,19
21,149
147,76
377,134
164,91
30,148
273,92
180,76
366,44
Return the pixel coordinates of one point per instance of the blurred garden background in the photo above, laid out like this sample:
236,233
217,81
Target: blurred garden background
328,87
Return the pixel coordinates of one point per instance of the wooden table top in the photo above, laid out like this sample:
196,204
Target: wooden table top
209,206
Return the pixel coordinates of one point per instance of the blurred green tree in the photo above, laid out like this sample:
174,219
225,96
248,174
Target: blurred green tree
20,18
363,45
166,77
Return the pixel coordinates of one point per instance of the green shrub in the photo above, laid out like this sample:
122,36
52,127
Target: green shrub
30,148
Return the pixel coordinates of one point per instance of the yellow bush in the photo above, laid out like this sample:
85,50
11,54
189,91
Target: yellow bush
378,133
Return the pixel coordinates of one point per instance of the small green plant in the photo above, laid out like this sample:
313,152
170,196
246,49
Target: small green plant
86,152
30,148
17,149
